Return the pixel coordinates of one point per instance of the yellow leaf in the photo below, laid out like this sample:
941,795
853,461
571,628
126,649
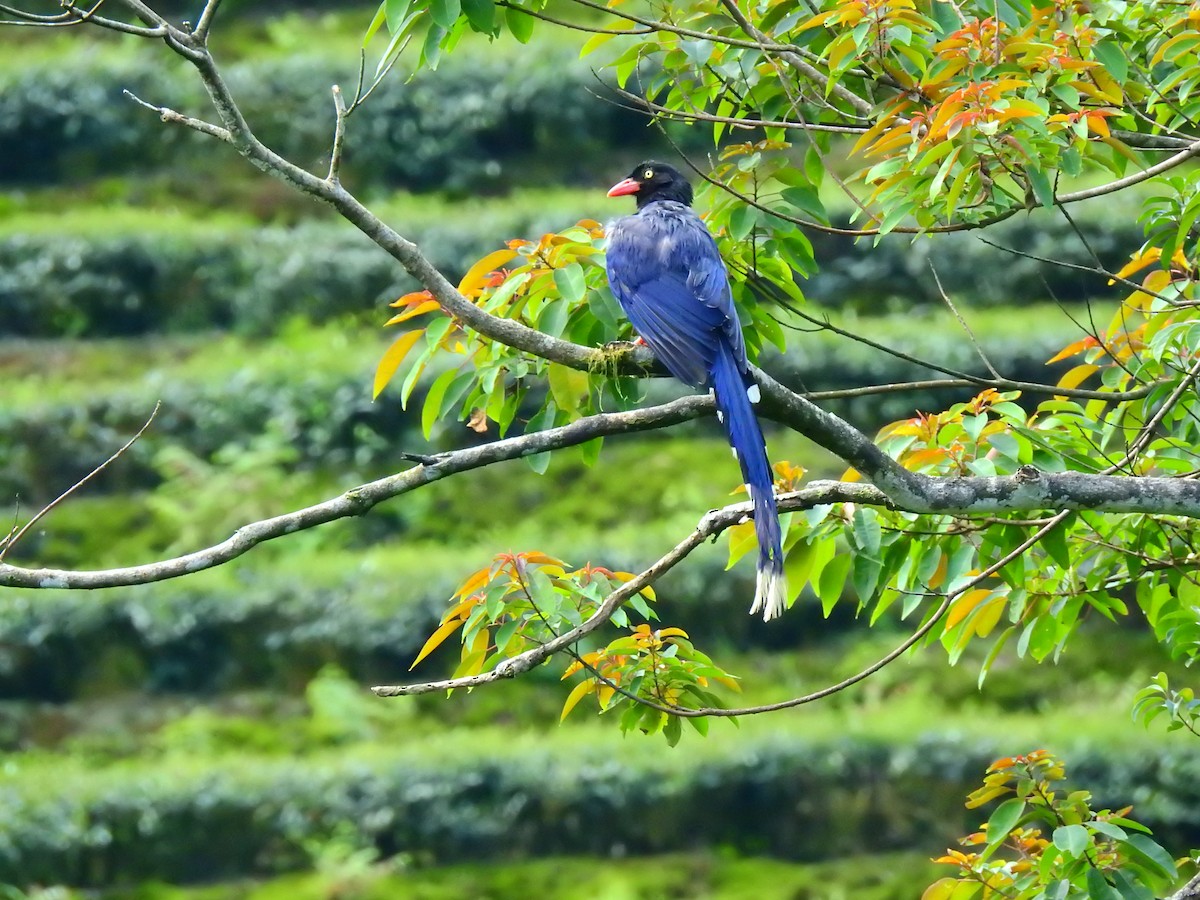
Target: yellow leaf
942,889
605,695
987,617
1078,375
435,640
571,670
1139,261
580,691
1157,280
965,605
474,583
463,609
392,358
473,281
418,310
411,299
541,559
669,632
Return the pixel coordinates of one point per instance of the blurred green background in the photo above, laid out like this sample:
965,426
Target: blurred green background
213,737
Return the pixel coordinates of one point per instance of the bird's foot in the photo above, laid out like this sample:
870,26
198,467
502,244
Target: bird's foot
625,345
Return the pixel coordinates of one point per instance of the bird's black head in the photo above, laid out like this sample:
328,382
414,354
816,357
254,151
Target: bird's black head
654,181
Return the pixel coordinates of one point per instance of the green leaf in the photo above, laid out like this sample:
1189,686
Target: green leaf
376,24
1043,188
1055,543
432,410
867,532
1004,819
832,582
519,23
444,12
1098,887
539,462
396,11
1151,853
742,221
673,730
1113,58
570,282
481,14
1072,840
865,576
568,386
1108,829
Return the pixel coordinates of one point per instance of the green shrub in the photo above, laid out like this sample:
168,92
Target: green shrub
476,124
444,799
898,273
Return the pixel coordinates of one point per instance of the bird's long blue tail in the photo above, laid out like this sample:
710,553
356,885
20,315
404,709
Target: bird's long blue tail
734,393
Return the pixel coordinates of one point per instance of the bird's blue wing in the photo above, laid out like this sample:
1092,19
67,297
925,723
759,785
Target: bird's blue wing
665,271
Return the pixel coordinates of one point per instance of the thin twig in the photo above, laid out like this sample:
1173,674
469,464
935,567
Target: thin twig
11,541
963,323
357,501
204,25
339,136
177,118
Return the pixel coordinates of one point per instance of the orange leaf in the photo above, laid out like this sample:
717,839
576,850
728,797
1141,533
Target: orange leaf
474,583
472,283
1139,261
412,299
1084,343
392,358
418,310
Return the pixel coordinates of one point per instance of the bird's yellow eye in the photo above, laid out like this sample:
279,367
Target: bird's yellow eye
649,173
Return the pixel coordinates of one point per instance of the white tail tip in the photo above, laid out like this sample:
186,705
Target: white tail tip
770,595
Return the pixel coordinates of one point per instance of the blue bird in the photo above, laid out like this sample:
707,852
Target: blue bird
665,271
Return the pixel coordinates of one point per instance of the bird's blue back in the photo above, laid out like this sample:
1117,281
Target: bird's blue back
665,271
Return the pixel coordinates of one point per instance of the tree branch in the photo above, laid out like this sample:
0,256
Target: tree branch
1190,891
1029,489
711,525
357,501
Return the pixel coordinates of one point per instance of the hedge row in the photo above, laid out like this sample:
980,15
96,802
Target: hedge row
273,626
311,416
474,124
444,800
324,415
159,280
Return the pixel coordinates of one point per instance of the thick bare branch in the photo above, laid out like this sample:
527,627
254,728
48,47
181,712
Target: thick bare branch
359,500
1190,891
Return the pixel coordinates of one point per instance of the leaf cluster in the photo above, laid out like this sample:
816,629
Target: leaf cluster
1043,842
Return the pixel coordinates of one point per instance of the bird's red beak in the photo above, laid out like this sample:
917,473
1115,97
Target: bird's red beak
621,188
